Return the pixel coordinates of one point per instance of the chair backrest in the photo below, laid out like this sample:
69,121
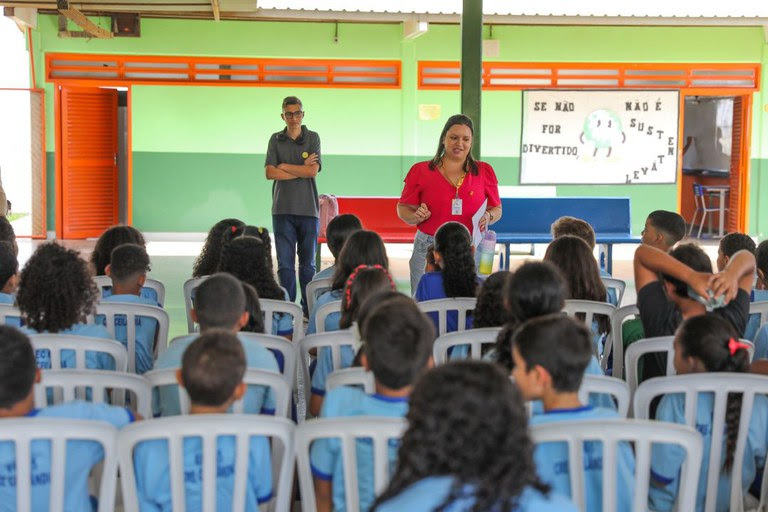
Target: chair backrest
720,385
473,338
590,309
323,312
270,306
600,384
315,288
462,305
75,384
153,284
332,340
659,344
189,290
274,381
616,349
351,377
208,428
610,433
347,430
131,311
287,349
616,284
22,432
759,308
8,311
56,343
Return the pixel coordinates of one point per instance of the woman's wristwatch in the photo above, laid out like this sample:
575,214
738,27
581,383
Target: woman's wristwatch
490,216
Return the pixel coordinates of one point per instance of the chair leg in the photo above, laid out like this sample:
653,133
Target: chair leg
693,222
701,226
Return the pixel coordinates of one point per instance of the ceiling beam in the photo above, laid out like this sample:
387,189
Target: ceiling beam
24,17
79,19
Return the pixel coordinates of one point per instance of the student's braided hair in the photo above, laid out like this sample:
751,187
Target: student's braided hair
208,261
55,289
245,258
467,420
453,243
712,340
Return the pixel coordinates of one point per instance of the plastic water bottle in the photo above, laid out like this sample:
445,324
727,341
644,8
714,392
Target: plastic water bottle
487,250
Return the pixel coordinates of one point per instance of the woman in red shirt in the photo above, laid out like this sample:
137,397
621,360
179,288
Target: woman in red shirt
450,187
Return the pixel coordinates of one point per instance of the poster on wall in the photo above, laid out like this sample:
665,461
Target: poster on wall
599,137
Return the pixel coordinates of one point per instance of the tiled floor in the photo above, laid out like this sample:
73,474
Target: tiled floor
172,264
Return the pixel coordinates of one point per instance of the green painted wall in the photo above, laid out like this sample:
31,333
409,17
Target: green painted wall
198,151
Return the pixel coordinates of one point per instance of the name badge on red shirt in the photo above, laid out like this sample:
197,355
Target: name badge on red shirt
456,206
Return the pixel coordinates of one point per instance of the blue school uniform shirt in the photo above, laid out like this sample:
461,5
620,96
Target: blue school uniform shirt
325,454
613,298
7,298
256,399
326,273
324,366
81,457
429,493
282,323
753,326
93,360
552,461
152,467
666,459
431,288
599,400
146,328
332,320
150,294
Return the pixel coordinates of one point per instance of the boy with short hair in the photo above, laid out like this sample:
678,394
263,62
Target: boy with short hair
336,233
760,293
212,372
397,348
220,304
19,371
128,267
550,355
9,279
663,229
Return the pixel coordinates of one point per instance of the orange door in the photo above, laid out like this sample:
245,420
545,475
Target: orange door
88,161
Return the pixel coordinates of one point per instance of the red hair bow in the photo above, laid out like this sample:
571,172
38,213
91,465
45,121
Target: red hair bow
734,345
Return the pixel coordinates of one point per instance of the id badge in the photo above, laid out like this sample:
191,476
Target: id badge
456,206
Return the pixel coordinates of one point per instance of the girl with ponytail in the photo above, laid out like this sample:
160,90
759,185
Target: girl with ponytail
708,343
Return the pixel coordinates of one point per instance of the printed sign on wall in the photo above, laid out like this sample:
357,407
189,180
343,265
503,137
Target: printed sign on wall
599,137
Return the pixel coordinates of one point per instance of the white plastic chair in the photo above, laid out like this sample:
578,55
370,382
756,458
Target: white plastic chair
462,305
590,309
274,381
616,349
652,345
600,384
73,383
189,288
357,377
323,312
720,385
759,308
270,306
334,341
315,288
130,311
475,338
616,284
22,432
159,288
55,343
8,310
209,427
380,430
611,432
287,349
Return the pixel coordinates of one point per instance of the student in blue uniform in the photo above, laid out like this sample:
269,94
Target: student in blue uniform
730,244
128,269
249,259
339,229
467,447
708,343
365,281
19,371
397,348
212,373
760,293
9,279
549,370
362,248
7,234
220,304
457,277
55,295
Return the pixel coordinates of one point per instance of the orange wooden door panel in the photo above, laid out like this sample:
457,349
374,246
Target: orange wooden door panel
89,161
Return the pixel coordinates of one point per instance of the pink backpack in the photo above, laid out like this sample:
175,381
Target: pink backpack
329,208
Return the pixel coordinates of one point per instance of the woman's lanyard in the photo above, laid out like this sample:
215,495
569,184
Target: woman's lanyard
456,206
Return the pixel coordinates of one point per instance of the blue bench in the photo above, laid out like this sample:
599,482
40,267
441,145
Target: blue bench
528,220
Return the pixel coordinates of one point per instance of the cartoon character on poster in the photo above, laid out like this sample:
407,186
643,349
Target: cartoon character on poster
602,129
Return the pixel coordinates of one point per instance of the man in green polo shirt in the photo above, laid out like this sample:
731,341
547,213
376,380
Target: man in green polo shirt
293,161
